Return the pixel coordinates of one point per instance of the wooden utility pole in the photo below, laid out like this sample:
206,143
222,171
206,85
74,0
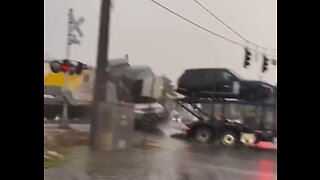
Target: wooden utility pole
99,95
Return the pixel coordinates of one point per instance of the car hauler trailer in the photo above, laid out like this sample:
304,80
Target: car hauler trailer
230,121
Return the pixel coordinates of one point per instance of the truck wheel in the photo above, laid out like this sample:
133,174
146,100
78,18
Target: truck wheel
203,134
229,139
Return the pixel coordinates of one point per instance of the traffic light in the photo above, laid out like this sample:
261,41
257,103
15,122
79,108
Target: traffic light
67,66
265,63
247,58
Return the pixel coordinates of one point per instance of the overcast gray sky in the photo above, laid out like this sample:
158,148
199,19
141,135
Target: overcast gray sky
153,36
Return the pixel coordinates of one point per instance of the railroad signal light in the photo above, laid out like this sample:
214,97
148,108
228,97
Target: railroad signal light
55,66
67,66
64,68
80,67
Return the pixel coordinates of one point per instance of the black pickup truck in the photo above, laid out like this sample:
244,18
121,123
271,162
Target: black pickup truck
222,83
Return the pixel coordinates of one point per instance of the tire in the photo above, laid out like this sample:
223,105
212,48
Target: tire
229,139
203,134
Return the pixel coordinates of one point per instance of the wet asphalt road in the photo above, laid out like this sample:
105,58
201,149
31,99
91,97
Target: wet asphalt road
177,159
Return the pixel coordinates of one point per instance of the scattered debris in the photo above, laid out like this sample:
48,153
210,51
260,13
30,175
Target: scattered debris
53,159
57,144
144,142
53,154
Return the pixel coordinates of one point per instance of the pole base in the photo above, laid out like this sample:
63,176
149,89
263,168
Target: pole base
64,124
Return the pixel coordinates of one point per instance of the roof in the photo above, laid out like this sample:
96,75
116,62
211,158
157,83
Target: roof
117,62
139,72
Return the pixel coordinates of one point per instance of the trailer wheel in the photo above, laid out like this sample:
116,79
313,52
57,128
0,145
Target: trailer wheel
203,134
229,139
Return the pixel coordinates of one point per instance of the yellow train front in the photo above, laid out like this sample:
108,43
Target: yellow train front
80,87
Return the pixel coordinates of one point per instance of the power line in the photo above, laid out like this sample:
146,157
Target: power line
220,20
203,28
199,26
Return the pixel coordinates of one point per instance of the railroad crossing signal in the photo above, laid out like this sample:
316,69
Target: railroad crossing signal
74,26
67,66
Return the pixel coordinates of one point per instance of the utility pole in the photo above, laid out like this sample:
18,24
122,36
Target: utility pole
99,95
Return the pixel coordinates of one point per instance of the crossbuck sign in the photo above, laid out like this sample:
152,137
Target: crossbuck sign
74,28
